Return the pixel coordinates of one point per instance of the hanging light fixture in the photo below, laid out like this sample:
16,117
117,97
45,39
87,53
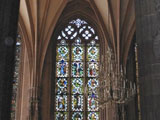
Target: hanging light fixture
113,85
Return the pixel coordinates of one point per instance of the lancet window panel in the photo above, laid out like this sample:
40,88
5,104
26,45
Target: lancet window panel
77,72
16,76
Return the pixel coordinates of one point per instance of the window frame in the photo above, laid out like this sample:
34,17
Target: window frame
85,42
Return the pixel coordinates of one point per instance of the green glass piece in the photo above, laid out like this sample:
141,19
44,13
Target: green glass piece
77,69
77,86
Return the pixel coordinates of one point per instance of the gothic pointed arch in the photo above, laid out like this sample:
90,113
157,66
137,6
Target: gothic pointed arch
77,67
76,11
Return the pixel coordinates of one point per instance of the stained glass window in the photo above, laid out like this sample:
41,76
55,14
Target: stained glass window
16,77
77,67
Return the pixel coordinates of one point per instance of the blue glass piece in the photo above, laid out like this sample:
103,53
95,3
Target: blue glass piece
62,69
77,86
61,102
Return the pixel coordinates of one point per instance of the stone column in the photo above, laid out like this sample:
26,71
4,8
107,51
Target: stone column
34,104
148,39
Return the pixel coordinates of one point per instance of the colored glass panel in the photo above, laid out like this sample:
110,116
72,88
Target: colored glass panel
92,53
77,69
77,86
78,22
62,69
77,116
62,53
72,59
93,116
92,103
61,86
77,102
92,84
61,115
92,70
16,76
61,102
77,53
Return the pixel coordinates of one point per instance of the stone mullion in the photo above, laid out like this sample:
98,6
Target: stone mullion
85,82
70,83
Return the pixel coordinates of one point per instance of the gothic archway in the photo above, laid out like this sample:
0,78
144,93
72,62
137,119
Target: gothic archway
74,11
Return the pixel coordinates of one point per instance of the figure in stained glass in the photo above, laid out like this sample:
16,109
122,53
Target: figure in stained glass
77,102
77,69
92,69
77,53
92,103
61,102
62,69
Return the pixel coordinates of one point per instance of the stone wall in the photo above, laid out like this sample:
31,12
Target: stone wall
148,39
8,28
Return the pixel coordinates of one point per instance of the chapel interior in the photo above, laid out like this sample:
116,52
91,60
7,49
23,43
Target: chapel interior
80,59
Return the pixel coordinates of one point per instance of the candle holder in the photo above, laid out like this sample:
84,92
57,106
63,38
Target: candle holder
113,84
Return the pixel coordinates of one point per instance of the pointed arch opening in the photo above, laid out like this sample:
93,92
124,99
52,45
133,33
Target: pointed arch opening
74,54
77,72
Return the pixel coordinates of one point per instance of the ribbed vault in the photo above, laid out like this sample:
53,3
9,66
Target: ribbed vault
38,19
